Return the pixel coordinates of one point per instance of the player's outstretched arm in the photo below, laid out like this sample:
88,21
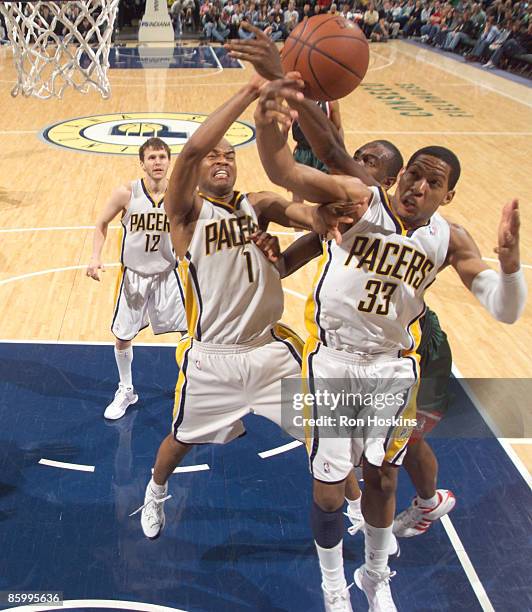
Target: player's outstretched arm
503,294
117,203
327,142
298,254
311,184
325,219
180,197
324,135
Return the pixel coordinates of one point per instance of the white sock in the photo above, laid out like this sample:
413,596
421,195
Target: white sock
332,567
431,502
354,505
123,363
378,544
158,490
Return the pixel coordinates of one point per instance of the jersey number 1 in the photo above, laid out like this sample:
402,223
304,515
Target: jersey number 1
152,242
249,263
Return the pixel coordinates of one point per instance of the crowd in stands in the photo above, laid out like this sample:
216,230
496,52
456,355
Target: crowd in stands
493,32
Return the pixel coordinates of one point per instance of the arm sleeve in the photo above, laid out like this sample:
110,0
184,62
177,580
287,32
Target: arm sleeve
502,295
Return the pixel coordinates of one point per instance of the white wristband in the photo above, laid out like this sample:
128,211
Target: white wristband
503,295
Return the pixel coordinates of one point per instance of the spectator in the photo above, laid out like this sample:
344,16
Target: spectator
290,15
175,15
450,23
464,34
429,30
519,43
276,29
214,28
415,21
489,35
371,17
380,32
478,16
346,12
306,12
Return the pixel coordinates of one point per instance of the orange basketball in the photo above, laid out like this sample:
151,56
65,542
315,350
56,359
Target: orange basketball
331,54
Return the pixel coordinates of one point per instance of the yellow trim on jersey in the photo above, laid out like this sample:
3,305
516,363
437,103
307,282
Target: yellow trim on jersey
183,345
310,347
289,335
191,302
414,329
400,435
230,205
119,282
310,305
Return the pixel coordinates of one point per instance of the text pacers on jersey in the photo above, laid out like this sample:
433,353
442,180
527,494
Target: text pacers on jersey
228,233
390,259
151,222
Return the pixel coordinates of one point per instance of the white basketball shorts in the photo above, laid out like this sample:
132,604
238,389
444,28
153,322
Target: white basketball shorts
155,299
378,418
219,384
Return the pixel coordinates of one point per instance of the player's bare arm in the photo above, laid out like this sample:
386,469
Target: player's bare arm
336,118
324,135
271,207
117,204
502,294
182,204
313,185
298,254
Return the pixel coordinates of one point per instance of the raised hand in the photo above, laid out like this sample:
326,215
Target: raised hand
261,51
508,243
272,106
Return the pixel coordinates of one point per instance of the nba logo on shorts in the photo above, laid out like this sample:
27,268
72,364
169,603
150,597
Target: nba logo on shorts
326,467
432,230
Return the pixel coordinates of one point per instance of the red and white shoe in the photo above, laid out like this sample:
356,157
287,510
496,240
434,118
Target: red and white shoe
416,520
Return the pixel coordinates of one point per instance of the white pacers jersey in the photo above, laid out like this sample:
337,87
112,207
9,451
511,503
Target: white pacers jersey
146,245
368,292
233,294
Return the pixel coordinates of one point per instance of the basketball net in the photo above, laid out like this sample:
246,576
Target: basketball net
60,44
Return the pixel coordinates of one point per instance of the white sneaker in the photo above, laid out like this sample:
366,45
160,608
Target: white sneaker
416,520
376,587
337,601
152,517
124,397
356,518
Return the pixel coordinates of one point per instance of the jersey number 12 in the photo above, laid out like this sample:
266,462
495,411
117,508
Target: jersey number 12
152,242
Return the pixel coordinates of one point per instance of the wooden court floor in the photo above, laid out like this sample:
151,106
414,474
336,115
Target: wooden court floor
50,197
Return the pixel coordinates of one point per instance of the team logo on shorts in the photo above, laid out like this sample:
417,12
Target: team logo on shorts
123,133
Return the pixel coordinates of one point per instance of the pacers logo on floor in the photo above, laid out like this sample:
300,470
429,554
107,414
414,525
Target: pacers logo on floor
123,133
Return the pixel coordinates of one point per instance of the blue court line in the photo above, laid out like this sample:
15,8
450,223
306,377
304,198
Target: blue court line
237,536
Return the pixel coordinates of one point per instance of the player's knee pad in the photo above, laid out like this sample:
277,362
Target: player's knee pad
327,527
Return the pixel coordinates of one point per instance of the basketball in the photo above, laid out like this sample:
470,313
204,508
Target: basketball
330,53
